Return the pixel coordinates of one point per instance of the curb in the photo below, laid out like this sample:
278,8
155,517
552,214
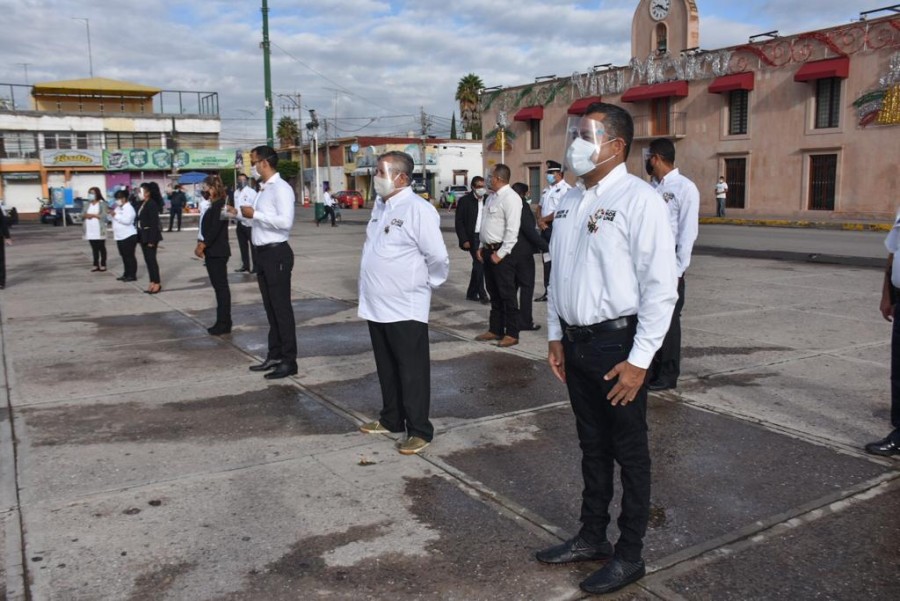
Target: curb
855,226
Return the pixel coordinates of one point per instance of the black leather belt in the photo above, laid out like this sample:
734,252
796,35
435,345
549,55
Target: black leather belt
494,246
272,245
585,333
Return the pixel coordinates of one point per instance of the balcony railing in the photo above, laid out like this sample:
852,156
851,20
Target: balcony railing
666,125
17,97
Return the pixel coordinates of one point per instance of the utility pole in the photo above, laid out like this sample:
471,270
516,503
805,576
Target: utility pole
424,123
327,155
270,132
87,24
295,101
313,127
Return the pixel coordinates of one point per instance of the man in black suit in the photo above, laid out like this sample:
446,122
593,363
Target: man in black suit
530,242
468,225
177,200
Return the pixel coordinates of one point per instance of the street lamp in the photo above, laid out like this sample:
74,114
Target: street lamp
502,124
87,24
313,127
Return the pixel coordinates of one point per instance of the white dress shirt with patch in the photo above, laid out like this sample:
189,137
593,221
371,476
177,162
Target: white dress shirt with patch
500,221
403,259
273,212
551,195
612,257
683,202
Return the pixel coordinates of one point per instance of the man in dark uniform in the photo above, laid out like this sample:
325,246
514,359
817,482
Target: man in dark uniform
177,200
469,210
530,242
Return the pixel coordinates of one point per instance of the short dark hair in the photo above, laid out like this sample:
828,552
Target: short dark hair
121,194
520,189
477,180
267,154
400,160
502,172
664,149
617,120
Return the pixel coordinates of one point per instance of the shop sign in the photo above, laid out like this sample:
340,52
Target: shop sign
147,159
205,159
24,176
72,158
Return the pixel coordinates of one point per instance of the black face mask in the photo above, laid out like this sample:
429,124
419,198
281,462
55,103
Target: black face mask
648,165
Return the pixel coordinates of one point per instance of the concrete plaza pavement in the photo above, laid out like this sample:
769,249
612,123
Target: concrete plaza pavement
140,459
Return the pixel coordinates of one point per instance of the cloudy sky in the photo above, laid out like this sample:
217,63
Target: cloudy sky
372,63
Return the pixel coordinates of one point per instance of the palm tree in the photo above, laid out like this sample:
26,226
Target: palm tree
467,96
287,132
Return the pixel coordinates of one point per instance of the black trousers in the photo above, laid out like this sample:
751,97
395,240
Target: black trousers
328,211
273,273
217,268
525,283
895,373
248,251
2,262
476,279
667,362
98,250
172,214
150,260
404,372
547,266
126,251
609,435
501,285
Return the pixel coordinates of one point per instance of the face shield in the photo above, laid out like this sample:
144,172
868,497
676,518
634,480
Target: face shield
385,178
585,138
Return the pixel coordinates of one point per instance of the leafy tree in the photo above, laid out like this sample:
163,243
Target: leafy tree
467,96
287,132
453,126
288,169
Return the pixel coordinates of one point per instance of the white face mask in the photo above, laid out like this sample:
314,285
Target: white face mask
480,192
254,173
120,202
383,186
581,153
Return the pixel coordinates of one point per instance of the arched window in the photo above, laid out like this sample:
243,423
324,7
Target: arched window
662,38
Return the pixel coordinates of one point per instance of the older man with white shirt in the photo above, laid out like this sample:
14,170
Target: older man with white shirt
404,258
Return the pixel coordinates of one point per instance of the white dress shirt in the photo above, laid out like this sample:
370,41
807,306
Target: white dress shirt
244,198
403,258
123,222
501,219
326,198
892,243
92,226
273,212
480,203
612,257
203,206
551,195
683,201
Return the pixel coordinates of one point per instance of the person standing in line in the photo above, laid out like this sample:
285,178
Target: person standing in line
404,258
125,234
529,243
612,292
328,201
243,197
544,212
177,200
95,227
889,446
6,241
469,213
683,203
499,234
215,250
150,231
272,217
721,195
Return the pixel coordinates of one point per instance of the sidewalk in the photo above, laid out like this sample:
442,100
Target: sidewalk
143,461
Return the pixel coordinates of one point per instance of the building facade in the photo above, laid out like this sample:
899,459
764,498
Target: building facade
105,133
802,126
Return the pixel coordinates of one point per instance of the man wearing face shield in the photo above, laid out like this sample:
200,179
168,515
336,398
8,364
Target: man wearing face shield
403,259
469,214
550,197
612,291
499,234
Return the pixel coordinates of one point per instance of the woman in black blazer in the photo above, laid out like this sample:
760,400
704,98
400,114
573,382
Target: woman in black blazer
150,231
214,248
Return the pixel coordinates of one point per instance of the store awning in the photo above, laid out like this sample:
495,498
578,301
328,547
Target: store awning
832,67
658,90
580,106
530,113
730,83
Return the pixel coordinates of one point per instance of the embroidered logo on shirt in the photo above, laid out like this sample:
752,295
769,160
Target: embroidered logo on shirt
397,222
561,214
667,196
596,218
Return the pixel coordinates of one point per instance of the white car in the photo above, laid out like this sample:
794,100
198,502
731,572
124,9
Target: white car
457,192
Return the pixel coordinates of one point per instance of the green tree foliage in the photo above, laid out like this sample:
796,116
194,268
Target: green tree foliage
287,132
453,135
467,96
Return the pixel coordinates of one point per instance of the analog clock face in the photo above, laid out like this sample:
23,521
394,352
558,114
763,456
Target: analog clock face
659,9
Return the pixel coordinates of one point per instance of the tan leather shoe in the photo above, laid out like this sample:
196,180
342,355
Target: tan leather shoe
487,337
508,341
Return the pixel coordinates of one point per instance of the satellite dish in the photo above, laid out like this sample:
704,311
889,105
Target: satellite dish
354,148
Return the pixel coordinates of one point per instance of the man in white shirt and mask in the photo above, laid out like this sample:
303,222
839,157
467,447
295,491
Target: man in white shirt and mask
244,196
469,213
404,258
550,197
612,291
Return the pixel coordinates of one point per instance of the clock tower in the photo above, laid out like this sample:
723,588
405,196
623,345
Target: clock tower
661,26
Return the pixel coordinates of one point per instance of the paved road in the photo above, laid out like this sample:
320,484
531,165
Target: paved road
140,459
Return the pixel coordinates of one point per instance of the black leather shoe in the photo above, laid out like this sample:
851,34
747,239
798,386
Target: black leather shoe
129,279
887,447
485,301
660,384
575,549
532,328
616,574
241,270
266,365
541,299
282,371
219,329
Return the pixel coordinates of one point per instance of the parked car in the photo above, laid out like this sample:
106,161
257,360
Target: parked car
346,198
51,214
456,192
420,189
